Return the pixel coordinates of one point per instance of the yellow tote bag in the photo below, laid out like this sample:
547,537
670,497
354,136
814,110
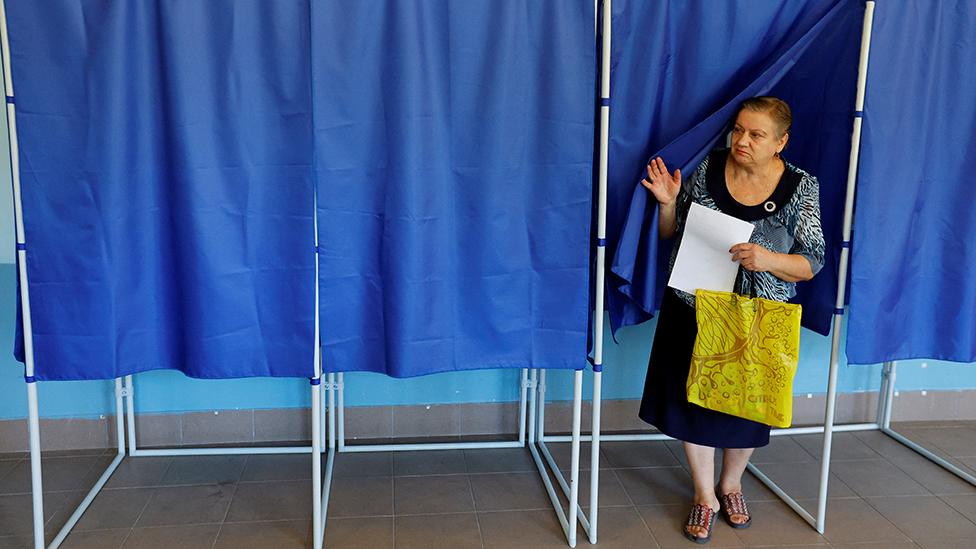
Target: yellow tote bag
745,356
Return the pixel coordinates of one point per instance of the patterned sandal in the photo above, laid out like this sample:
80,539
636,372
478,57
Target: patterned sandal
735,504
702,516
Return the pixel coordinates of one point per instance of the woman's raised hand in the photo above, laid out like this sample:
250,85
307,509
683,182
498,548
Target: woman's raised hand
662,185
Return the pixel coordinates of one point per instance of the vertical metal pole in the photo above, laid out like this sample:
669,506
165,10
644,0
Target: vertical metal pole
341,418
119,417
523,388
533,376
882,396
541,419
317,532
316,387
574,466
595,456
37,490
842,275
889,394
601,252
33,415
130,413
332,415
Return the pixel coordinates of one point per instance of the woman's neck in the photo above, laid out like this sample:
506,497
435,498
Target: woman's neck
752,185
755,174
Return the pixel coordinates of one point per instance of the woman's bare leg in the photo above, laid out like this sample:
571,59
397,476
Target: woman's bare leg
701,460
734,461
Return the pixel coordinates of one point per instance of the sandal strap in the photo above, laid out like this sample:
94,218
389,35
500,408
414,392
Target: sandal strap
735,504
701,515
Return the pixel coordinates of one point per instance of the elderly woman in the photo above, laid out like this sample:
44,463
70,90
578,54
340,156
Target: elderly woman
752,182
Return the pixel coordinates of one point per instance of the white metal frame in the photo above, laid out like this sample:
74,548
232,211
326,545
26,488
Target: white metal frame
528,381
532,383
123,391
886,395
538,442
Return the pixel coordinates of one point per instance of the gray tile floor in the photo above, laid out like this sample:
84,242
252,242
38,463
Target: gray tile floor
882,495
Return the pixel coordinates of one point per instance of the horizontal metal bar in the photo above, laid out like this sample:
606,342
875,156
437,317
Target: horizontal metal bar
83,506
784,496
819,429
926,453
361,448
853,427
162,452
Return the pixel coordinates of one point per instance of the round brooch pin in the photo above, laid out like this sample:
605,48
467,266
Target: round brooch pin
769,206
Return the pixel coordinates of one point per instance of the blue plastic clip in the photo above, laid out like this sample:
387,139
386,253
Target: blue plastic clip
604,101
839,311
858,114
10,100
601,242
315,381
845,244
21,246
30,379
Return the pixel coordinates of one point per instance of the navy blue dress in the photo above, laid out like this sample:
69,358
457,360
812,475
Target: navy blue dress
789,222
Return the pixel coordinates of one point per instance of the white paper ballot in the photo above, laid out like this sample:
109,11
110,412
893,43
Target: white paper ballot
703,259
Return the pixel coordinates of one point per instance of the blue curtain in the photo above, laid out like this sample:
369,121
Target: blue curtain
165,164
913,279
679,71
454,146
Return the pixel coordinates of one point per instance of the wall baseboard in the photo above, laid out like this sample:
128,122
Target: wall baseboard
283,425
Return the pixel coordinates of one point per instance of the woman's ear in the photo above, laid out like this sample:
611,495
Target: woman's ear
783,140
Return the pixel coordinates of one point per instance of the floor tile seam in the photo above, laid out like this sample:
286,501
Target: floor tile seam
893,523
906,496
678,466
334,477
172,525
186,485
345,517
230,503
259,481
260,521
534,471
953,507
833,479
926,493
276,481
162,526
126,538
247,459
474,505
433,475
92,466
921,442
643,521
220,528
547,507
442,514
905,469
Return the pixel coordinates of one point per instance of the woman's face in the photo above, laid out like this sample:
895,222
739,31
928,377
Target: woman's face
755,138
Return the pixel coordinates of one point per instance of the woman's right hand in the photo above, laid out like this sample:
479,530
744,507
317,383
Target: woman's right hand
663,186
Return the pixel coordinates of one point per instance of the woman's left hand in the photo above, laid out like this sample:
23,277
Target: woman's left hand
753,257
